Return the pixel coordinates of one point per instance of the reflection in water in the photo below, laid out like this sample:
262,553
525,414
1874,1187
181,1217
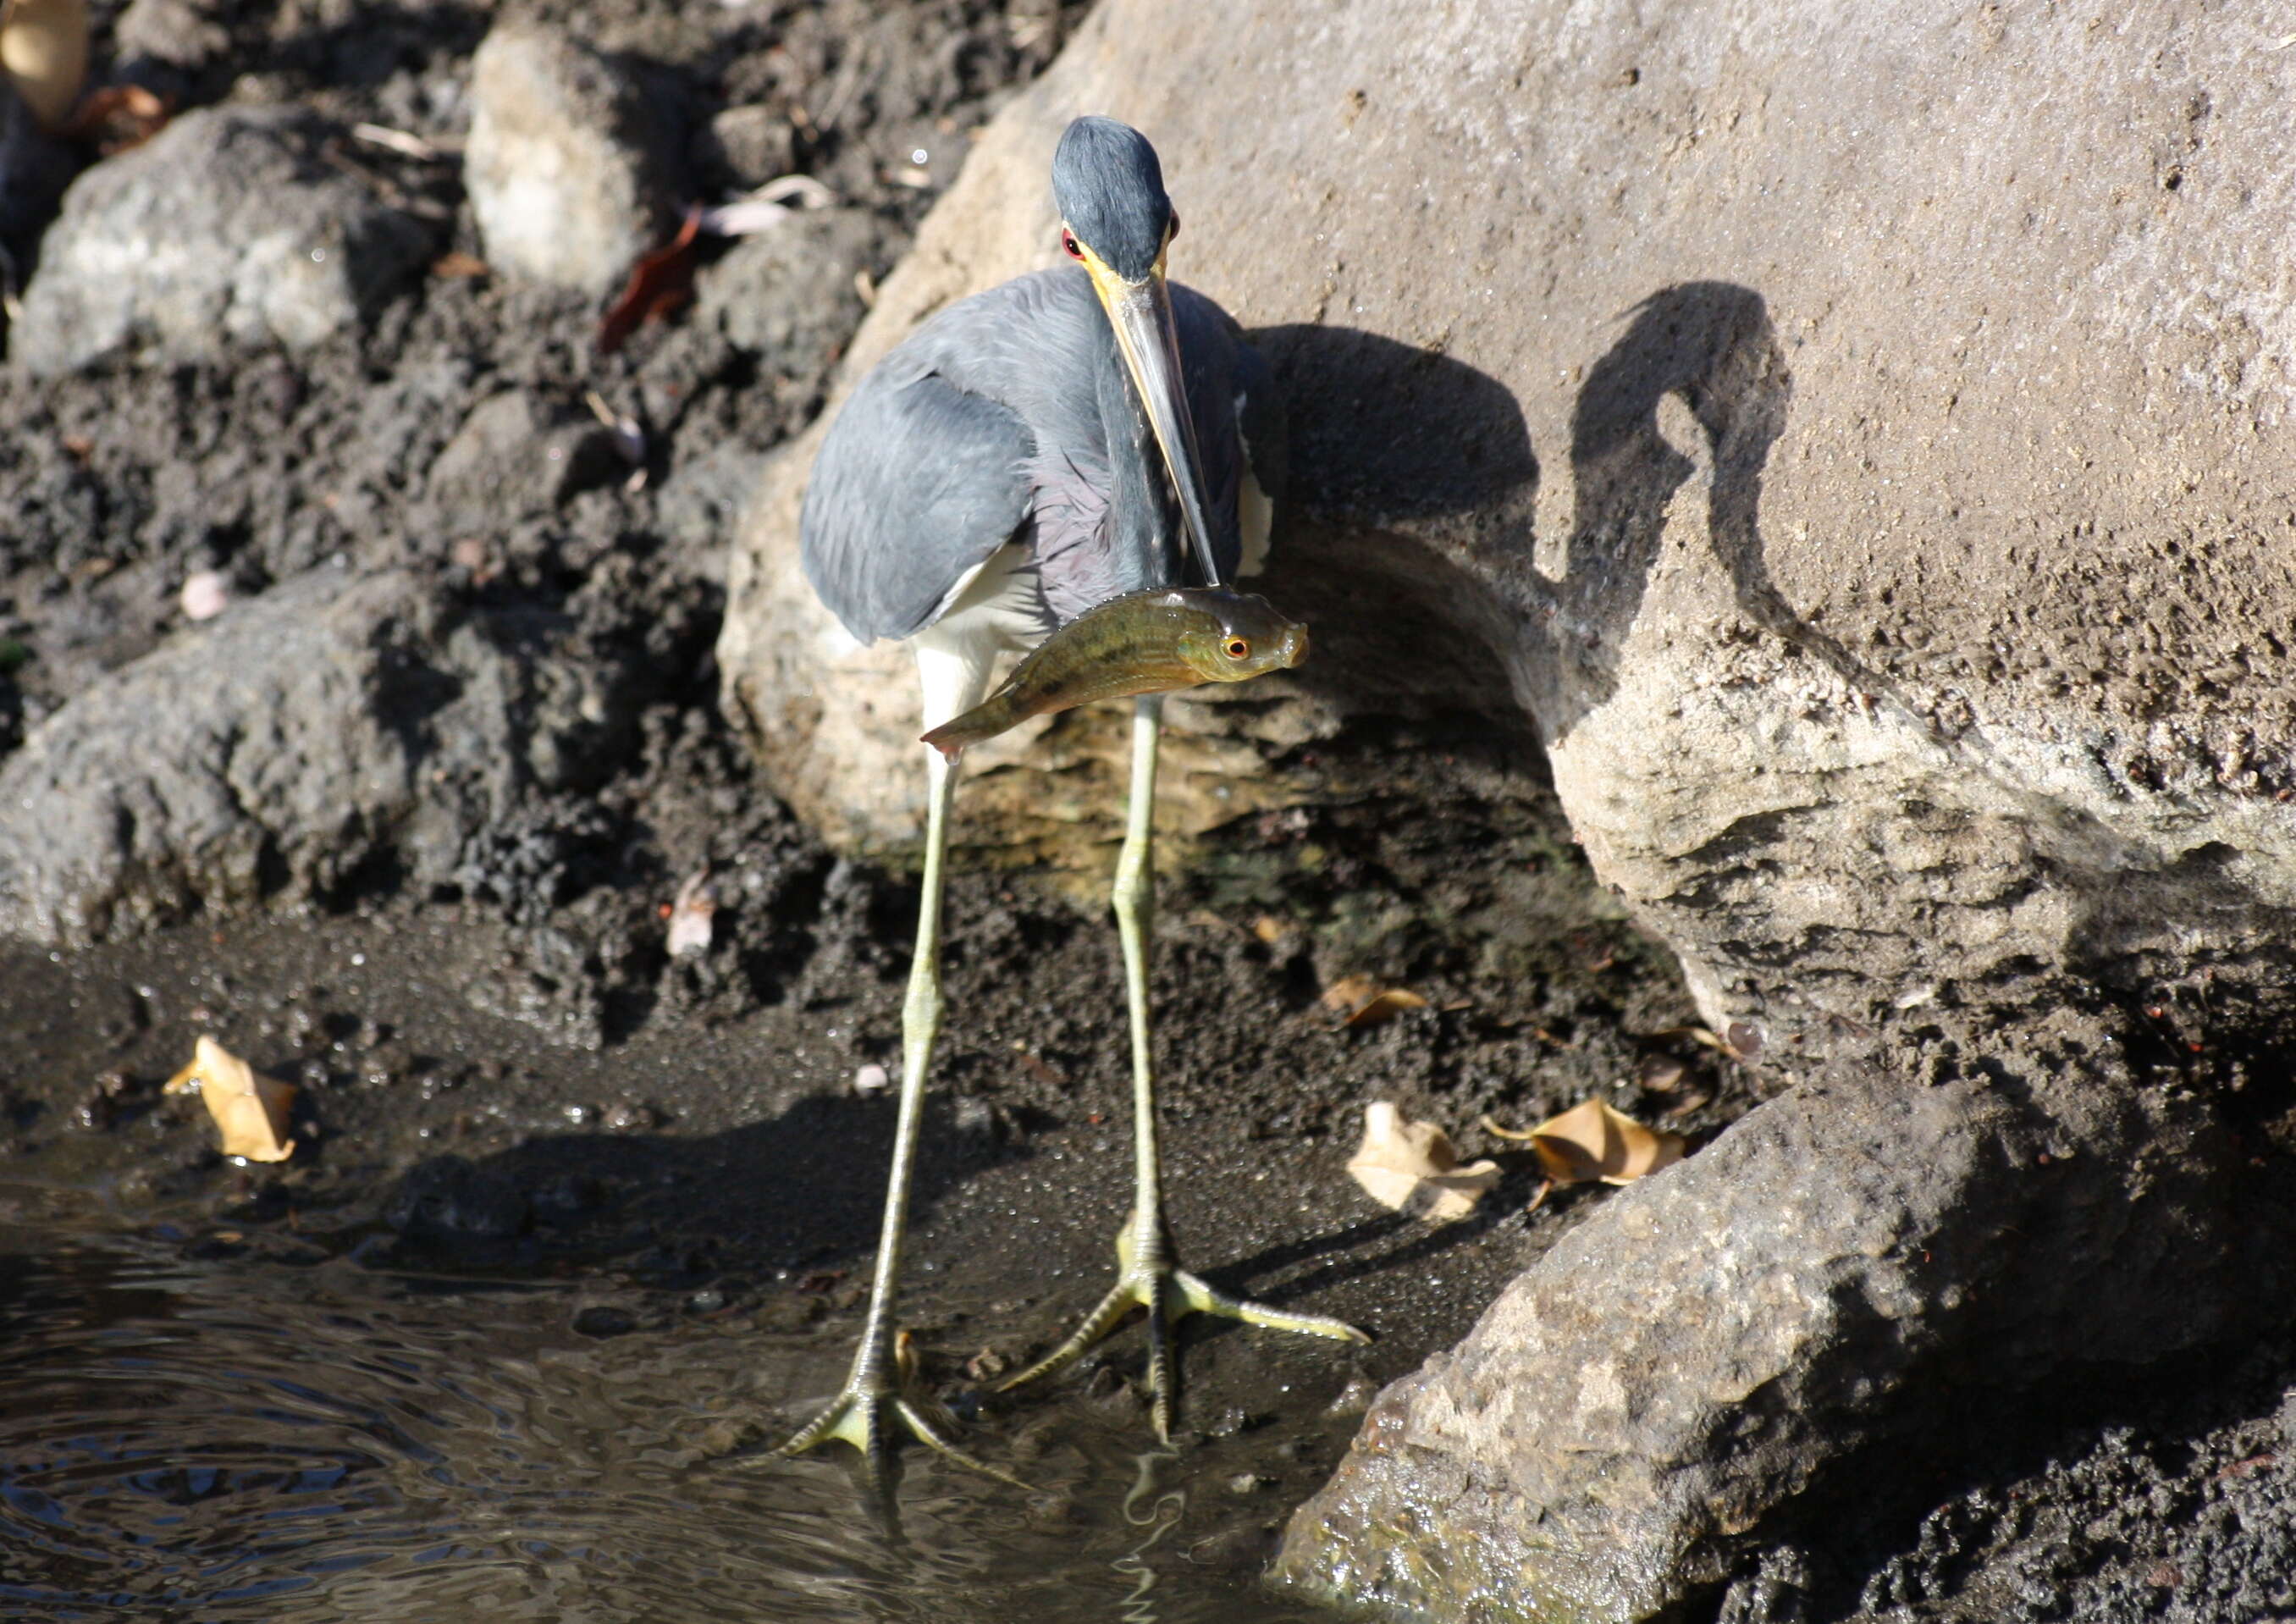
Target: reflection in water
284,1435
1158,1515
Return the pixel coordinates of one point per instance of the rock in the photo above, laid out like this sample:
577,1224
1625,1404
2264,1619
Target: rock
1712,1340
1883,534
450,1198
564,166
512,457
177,34
330,726
744,147
1843,725
226,227
787,295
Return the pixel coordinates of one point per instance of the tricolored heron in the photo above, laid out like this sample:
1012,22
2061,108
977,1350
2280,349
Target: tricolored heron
1024,455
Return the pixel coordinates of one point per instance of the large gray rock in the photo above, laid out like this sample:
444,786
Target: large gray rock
273,752
1853,443
1720,1335
565,169
226,227
1885,538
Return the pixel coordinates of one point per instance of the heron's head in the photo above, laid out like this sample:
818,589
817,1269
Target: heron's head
1115,218
1116,222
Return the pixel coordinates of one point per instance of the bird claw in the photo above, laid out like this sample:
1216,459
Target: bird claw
870,1413
1147,1278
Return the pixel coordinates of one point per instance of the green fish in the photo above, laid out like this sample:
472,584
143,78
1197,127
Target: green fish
1143,643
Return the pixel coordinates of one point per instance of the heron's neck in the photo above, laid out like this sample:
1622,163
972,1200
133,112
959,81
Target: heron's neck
1143,518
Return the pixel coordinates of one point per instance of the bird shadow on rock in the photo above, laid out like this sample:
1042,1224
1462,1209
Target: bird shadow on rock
1713,346
1391,444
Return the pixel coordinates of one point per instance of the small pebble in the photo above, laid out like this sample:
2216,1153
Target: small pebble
206,595
602,1322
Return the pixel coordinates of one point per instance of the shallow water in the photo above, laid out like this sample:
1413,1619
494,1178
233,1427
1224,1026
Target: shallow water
250,1426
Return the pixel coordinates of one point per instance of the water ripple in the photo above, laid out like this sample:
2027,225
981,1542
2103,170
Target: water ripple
318,1441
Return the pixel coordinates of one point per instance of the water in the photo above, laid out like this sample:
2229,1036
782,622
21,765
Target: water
230,1426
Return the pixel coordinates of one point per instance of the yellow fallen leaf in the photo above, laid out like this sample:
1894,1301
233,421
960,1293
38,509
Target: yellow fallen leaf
1412,1168
250,1110
1592,1141
1365,1003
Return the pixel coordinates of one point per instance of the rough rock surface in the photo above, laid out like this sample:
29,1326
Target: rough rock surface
229,226
514,456
564,166
1735,1326
788,295
331,726
1887,537
1791,475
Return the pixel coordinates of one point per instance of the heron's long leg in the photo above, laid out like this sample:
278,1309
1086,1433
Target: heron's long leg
873,1399
1148,1272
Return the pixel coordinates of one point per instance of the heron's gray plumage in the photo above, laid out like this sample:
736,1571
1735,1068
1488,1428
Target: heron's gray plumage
1009,417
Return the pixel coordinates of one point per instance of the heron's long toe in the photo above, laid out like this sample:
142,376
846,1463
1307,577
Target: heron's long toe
871,1412
1148,1277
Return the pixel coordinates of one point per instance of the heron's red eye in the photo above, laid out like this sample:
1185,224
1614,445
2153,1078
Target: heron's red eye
1173,230
1239,648
1069,246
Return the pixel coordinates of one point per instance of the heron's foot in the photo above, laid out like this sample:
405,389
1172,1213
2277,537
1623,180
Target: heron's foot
1148,1278
874,1409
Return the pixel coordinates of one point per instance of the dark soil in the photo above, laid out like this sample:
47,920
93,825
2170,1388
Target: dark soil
510,1079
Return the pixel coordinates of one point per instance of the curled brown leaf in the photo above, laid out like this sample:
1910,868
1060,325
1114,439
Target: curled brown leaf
250,1110
1592,1141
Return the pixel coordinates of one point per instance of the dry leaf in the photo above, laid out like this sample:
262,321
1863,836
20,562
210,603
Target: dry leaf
693,916
1412,1168
454,263
1365,1003
1662,1073
116,118
251,1110
660,284
1592,1141
1740,1043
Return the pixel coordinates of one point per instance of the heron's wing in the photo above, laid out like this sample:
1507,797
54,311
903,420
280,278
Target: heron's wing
916,484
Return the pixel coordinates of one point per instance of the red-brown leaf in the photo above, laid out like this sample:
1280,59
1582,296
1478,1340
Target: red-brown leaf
659,285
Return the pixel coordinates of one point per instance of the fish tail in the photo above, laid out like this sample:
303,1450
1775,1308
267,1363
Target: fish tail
983,721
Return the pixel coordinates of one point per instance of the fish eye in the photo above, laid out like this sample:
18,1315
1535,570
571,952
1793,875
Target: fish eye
1239,648
1069,244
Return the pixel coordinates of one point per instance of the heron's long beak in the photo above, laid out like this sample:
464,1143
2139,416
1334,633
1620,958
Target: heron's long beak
1141,312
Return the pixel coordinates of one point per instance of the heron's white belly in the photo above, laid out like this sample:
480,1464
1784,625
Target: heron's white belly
995,607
